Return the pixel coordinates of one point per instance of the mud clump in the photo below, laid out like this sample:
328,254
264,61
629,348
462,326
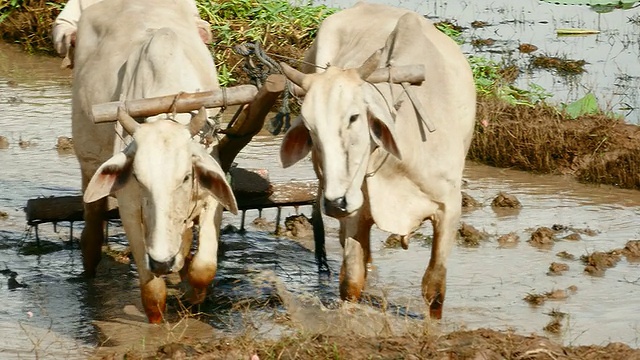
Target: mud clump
504,200
509,240
479,24
297,226
565,255
469,202
557,268
543,237
482,42
562,66
4,215
573,237
598,262
470,236
557,294
25,143
555,325
527,48
263,224
4,142
64,145
632,250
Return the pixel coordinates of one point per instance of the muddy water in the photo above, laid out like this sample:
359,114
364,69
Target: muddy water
612,69
53,315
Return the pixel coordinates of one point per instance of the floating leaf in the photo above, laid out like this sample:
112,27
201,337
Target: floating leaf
575,31
588,104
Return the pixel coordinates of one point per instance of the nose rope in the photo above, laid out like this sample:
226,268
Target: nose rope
194,194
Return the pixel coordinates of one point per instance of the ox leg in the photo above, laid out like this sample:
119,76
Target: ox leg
204,264
355,239
153,290
444,223
92,236
187,240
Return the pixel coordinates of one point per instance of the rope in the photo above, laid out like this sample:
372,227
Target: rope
258,73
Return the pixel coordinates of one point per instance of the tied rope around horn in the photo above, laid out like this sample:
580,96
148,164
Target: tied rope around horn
258,73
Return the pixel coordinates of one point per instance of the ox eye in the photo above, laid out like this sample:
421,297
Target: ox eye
353,118
186,178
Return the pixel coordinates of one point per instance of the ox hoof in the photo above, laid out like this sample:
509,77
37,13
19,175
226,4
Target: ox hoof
350,289
435,308
154,299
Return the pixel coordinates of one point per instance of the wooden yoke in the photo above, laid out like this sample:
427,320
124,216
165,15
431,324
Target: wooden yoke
250,121
180,103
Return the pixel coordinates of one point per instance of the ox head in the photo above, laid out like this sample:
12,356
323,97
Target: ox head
343,118
170,170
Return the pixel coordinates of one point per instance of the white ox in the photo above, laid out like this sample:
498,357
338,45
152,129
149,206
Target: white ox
164,180
376,160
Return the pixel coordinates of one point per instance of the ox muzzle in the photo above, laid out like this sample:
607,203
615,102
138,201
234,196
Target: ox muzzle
336,208
162,267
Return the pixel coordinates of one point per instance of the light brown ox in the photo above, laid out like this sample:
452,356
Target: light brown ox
377,161
164,180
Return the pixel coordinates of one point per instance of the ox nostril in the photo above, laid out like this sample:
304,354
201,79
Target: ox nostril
161,267
336,204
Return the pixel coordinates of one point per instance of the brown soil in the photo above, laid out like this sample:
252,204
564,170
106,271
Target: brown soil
632,250
594,148
470,236
562,66
469,202
508,240
557,268
598,262
476,344
543,238
506,201
64,145
4,142
297,226
556,294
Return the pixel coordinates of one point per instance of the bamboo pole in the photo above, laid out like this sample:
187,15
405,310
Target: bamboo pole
235,95
183,102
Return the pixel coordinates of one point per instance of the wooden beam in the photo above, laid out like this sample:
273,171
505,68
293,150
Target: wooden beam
250,121
70,208
184,102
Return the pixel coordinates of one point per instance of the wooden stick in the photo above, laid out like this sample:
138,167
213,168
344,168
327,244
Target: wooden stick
412,74
250,121
183,102
70,208
236,95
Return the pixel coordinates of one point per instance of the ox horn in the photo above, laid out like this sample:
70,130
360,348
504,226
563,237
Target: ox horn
197,121
294,75
127,122
370,65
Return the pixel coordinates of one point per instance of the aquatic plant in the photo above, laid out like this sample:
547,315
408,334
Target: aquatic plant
491,81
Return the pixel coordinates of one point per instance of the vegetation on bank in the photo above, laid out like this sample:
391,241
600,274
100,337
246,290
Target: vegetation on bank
515,128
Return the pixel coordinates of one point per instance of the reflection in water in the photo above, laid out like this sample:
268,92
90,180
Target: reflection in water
486,284
612,71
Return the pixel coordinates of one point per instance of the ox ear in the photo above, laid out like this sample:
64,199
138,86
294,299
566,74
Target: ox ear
296,143
211,177
110,177
381,121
